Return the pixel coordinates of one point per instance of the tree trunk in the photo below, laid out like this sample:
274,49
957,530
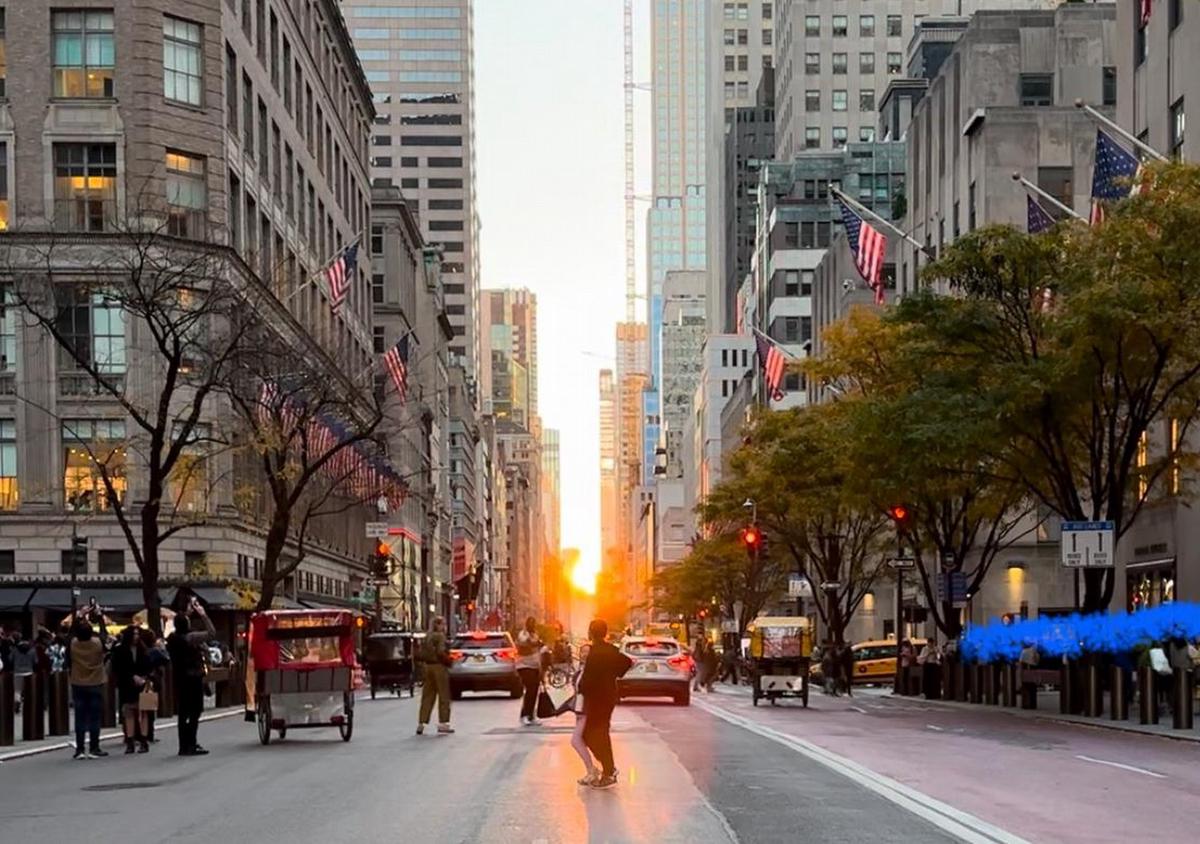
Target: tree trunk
149,567
951,621
273,553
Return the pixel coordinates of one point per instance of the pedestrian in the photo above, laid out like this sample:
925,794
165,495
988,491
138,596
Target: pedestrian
578,744
930,661
184,646
86,659
130,666
529,669
1028,661
846,664
699,656
711,666
729,661
57,652
435,655
156,665
829,669
598,685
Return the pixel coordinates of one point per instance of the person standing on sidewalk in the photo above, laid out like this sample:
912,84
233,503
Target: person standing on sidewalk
187,661
86,658
435,655
130,666
529,669
598,685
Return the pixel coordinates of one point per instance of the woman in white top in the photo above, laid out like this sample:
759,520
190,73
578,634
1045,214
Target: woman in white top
529,668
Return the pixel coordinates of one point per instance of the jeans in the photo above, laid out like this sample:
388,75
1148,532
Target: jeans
596,737
87,700
529,679
189,697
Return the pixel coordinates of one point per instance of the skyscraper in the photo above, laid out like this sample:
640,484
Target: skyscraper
418,59
609,531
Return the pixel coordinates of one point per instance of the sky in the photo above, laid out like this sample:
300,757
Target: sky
550,178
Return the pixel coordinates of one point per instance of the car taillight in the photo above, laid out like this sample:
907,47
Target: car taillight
507,653
679,662
457,655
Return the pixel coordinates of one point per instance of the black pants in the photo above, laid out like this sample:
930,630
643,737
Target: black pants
529,679
189,698
597,738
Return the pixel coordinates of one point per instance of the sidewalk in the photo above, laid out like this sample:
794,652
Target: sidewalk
31,748
1048,711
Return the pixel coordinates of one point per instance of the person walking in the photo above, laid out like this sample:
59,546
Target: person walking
700,658
729,660
578,744
85,656
130,666
598,685
711,666
435,655
846,666
529,669
187,660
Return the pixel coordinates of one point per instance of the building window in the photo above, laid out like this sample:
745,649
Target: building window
812,26
866,63
893,63
83,54
812,137
8,562
182,45
8,465
839,63
866,26
840,26
85,186
1178,125
231,91
866,134
791,283
110,561
1109,86
791,329
812,63
839,137
806,286
1037,89
93,331
895,25
866,99
743,64
8,330
3,56
93,460
730,63
377,288
839,100
70,563
1141,46
768,37
812,100
971,208
187,195
730,37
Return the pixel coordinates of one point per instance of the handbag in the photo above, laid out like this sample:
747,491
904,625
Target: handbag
1158,661
545,706
148,699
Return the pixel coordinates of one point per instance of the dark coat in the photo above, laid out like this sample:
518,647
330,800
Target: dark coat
598,683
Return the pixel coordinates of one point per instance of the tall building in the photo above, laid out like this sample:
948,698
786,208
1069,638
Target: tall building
609,529
418,56
553,582
740,51
682,340
676,233
508,319
1158,76
834,58
241,131
632,381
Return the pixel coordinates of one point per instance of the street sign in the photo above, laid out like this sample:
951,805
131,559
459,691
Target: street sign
375,530
902,563
799,587
952,587
831,585
1088,544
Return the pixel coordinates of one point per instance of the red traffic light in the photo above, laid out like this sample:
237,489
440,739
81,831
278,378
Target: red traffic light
382,549
751,536
899,513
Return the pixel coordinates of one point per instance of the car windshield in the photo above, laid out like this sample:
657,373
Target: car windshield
491,642
652,648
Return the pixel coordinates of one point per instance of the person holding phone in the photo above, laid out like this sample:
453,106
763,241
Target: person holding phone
88,678
187,660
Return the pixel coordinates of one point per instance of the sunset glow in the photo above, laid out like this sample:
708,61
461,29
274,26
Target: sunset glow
583,572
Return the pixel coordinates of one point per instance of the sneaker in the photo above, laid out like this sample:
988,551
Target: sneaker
96,753
81,754
420,729
605,782
445,729
588,779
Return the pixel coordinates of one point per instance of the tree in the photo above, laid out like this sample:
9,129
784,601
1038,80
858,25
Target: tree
1086,344
173,322
918,438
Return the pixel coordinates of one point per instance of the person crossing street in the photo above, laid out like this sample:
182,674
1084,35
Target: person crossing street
529,669
598,685
435,655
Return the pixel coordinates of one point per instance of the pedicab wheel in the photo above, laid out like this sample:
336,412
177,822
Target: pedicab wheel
346,728
264,721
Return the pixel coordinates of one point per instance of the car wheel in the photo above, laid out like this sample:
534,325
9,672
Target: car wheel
455,694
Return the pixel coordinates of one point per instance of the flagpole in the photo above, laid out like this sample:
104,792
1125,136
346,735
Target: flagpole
1114,126
862,209
1041,194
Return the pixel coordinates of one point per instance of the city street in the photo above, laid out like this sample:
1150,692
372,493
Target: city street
868,769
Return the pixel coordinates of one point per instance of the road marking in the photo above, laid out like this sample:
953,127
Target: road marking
859,709
935,728
1122,766
945,817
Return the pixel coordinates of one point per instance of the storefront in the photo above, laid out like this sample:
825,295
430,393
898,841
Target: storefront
1149,583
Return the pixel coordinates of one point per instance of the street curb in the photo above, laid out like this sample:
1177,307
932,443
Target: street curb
69,744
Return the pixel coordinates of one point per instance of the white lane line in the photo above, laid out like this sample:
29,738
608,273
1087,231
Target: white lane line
935,728
1122,766
859,709
964,826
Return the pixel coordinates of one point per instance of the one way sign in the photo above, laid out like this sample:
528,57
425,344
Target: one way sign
1088,544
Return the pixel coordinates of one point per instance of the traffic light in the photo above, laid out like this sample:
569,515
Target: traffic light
79,549
901,516
752,539
382,558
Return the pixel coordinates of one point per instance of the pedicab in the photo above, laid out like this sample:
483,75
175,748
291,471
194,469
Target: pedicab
300,671
780,649
390,658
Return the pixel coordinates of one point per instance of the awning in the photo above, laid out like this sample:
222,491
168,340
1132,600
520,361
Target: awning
56,598
118,599
213,597
14,598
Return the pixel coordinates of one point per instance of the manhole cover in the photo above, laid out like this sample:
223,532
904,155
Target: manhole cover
120,786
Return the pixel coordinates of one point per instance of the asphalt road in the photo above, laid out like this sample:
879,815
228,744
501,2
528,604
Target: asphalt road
868,769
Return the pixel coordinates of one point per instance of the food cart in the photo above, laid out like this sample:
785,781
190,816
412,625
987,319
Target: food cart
780,648
300,671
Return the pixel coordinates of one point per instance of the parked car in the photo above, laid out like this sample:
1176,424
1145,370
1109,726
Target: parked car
660,669
483,661
874,662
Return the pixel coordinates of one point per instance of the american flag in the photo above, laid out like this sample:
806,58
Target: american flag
268,398
396,361
340,274
1147,6
1037,218
1113,175
773,363
868,245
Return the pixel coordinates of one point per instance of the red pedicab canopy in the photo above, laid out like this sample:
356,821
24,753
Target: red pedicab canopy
302,639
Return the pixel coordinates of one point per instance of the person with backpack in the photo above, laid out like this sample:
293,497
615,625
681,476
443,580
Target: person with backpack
184,646
435,655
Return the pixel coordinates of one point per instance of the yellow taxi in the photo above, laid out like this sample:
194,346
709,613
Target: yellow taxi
874,661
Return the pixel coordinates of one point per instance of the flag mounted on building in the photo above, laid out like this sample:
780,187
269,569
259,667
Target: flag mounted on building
1146,8
1037,218
1113,176
339,275
396,361
773,362
868,245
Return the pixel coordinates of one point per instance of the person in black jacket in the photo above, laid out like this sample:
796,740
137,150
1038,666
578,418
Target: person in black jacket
131,667
187,671
598,685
